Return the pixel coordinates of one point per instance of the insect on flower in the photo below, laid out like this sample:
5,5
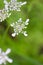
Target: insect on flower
19,27
4,57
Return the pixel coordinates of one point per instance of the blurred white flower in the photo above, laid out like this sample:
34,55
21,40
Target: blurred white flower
13,5
3,15
6,5
9,6
4,57
19,27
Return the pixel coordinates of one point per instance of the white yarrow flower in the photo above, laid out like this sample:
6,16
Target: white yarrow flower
13,5
4,57
3,15
6,5
19,27
10,6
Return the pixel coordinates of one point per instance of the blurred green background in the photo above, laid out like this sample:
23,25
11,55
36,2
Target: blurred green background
25,50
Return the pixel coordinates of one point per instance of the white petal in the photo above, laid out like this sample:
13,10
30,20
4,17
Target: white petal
23,3
0,62
12,24
0,50
8,51
25,34
20,20
9,60
27,22
14,34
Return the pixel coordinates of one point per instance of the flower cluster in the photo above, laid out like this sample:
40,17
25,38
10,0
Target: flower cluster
13,5
10,6
3,15
4,57
19,27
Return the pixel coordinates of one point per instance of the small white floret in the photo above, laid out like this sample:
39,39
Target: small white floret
4,57
19,27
